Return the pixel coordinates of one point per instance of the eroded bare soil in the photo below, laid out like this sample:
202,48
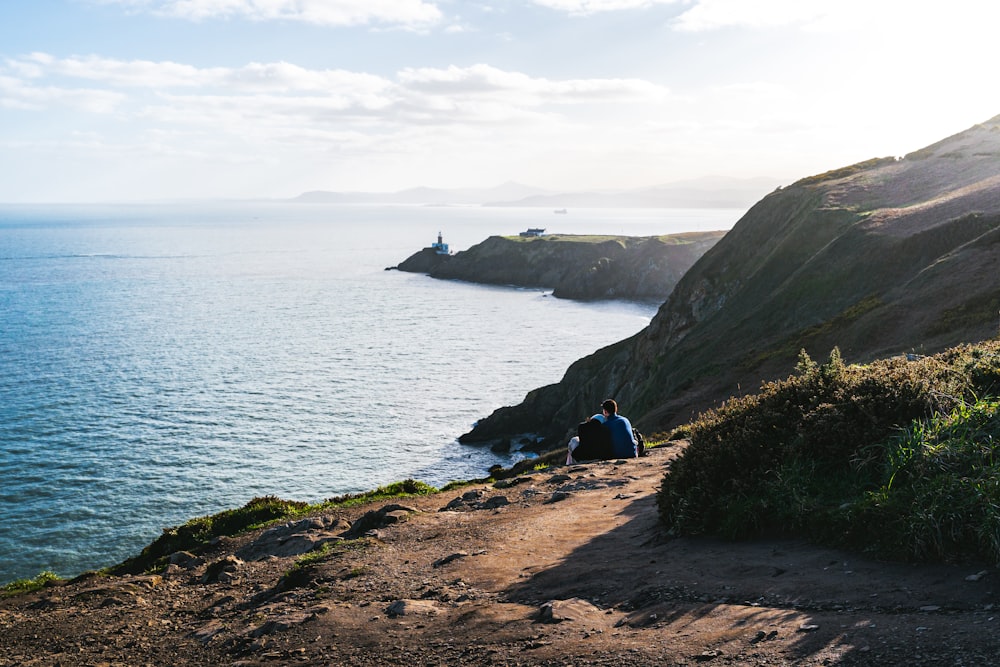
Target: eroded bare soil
563,567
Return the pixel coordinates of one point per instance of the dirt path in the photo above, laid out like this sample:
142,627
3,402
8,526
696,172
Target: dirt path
562,567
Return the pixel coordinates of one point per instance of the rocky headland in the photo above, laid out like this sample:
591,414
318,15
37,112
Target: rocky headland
888,256
574,266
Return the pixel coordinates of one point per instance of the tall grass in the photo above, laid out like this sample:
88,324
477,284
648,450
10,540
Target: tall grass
941,488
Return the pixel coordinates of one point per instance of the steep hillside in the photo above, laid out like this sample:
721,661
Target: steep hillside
574,267
879,258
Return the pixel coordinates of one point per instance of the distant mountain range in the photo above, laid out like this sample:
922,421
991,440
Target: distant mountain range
707,192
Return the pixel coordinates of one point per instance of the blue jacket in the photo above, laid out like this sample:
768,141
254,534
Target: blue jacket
622,441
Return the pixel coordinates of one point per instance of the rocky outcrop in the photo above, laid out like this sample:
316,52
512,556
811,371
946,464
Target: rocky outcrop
423,261
883,257
574,267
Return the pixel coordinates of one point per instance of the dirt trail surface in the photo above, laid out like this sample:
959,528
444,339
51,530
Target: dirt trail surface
567,566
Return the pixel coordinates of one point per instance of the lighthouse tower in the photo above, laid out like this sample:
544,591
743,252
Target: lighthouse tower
440,247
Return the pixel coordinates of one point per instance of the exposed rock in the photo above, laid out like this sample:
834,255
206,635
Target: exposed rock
424,261
412,607
287,621
574,609
558,496
474,500
454,505
294,539
224,566
495,502
705,656
512,482
205,633
501,447
449,558
186,560
377,519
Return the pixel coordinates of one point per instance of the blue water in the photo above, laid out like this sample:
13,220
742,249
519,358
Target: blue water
163,362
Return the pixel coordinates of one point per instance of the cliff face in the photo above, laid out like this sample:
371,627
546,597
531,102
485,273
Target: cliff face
424,261
883,257
574,267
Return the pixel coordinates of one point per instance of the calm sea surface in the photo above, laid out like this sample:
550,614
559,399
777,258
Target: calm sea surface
162,362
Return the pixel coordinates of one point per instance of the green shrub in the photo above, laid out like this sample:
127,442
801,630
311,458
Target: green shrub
403,489
21,586
819,454
941,488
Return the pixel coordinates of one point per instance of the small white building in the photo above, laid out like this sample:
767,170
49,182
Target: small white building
534,231
440,247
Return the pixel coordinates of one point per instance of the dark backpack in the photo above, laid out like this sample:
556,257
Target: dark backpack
641,446
595,441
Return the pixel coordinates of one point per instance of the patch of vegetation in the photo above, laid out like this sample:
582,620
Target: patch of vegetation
661,439
303,572
201,530
255,514
843,172
357,571
404,489
462,483
940,493
315,556
22,586
895,458
573,238
982,308
801,339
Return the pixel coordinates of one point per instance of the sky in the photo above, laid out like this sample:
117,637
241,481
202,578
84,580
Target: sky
126,100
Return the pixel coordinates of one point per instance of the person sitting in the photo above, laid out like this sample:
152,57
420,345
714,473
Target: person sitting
592,441
623,442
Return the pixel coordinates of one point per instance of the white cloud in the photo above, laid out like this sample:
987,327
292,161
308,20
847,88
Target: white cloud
890,18
408,13
366,126
483,80
715,14
295,115
282,86
164,75
15,93
584,7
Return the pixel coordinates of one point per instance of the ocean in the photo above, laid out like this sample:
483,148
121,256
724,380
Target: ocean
160,362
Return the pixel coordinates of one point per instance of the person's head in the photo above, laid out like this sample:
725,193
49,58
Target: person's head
610,407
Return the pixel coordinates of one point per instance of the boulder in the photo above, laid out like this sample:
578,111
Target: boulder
294,538
574,609
412,607
376,519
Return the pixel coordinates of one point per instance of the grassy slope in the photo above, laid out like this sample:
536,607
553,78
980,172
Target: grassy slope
879,258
